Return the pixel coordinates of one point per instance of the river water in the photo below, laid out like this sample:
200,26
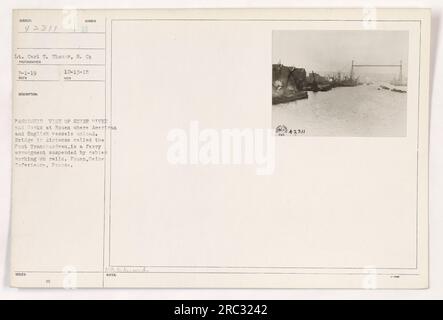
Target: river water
347,111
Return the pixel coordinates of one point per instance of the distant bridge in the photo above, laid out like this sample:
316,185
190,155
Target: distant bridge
378,65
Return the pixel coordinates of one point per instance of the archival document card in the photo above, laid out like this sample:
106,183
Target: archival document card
220,148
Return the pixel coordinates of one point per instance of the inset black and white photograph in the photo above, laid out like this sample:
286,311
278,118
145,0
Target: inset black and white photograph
339,83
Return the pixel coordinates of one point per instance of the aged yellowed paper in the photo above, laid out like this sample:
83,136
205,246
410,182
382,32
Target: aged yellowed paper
220,148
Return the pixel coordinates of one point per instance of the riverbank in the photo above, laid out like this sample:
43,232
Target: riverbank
394,88
284,97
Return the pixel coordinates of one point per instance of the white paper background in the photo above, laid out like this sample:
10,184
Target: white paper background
436,162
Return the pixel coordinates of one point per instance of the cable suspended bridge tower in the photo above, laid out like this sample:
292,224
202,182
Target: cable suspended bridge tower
400,66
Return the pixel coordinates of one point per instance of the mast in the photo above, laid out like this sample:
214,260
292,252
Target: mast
352,70
401,72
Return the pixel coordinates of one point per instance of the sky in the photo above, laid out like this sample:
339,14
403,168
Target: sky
325,51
